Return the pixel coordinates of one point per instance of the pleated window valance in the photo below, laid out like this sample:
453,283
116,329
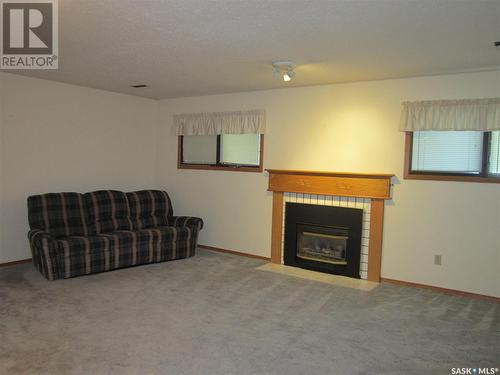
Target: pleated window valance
464,114
213,123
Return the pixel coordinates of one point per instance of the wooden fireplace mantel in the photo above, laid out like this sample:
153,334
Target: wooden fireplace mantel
377,187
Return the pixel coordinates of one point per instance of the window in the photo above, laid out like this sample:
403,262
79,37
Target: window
199,149
494,162
453,155
235,152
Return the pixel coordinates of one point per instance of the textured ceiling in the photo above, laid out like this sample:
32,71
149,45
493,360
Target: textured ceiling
198,47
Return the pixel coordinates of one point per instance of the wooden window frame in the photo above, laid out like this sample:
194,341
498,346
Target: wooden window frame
218,166
443,176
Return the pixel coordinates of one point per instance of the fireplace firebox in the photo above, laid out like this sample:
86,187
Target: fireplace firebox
323,238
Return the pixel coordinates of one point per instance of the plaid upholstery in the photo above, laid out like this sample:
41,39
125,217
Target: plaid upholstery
109,210
63,256
104,252
44,253
186,221
149,208
166,243
60,214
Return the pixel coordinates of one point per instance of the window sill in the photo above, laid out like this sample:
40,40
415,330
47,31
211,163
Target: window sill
220,168
446,177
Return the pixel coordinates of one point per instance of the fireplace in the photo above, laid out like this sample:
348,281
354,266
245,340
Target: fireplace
376,188
323,238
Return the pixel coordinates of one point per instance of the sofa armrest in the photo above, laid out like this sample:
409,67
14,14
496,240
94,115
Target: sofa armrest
36,236
185,221
44,252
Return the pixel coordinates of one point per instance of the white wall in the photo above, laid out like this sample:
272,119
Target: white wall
348,127
57,137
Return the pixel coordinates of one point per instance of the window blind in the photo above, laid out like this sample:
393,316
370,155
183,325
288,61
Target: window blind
456,152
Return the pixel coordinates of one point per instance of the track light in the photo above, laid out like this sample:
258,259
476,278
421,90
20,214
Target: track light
283,70
288,75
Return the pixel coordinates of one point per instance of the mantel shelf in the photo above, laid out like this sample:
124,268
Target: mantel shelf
331,174
362,185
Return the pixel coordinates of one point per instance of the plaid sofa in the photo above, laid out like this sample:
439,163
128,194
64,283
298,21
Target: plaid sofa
73,234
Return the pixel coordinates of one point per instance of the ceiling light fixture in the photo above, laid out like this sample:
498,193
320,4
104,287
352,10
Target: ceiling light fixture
283,70
139,86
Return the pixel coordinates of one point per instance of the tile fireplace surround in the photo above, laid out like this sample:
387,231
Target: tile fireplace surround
354,190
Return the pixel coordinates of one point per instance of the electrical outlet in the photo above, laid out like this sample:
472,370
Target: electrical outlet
437,259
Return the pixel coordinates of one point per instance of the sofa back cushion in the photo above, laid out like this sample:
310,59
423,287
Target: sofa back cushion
149,208
108,210
60,214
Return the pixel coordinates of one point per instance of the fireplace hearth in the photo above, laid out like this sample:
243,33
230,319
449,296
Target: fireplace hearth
323,238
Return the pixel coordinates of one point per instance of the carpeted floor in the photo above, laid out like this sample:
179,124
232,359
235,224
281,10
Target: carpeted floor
217,314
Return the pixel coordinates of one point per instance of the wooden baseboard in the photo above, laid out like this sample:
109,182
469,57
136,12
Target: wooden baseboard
234,252
441,290
15,262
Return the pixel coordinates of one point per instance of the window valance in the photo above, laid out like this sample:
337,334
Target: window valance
464,114
213,123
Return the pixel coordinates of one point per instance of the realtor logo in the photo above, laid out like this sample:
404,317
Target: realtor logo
29,37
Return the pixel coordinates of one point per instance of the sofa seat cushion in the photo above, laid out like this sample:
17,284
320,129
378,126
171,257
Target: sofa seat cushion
166,242
124,248
108,210
149,208
60,214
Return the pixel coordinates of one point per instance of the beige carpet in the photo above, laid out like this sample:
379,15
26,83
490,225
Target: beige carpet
218,314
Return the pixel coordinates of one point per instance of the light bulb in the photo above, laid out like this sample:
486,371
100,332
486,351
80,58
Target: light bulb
286,77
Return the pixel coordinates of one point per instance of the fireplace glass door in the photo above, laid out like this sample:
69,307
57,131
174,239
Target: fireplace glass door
323,238
322,244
